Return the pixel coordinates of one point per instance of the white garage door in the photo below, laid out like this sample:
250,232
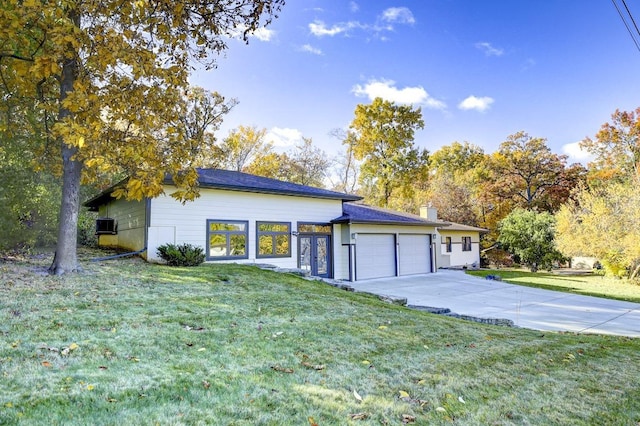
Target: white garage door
415,254
375,256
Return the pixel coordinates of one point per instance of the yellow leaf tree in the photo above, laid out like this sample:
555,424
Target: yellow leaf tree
110,79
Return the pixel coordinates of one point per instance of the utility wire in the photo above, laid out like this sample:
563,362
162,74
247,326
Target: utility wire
631,16
625,22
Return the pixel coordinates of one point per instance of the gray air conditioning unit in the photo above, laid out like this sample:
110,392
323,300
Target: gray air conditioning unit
106,226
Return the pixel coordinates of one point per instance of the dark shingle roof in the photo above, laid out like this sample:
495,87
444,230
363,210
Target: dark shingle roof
238,181
360,213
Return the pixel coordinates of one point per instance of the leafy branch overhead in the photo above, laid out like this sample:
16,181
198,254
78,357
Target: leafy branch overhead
110,81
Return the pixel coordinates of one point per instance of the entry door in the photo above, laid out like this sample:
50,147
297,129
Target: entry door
315,254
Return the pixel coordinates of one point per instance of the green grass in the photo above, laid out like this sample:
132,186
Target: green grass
234,345
585,284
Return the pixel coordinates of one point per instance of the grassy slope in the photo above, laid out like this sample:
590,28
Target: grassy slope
590,285
233,345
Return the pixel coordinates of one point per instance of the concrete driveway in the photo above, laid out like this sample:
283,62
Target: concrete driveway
526,306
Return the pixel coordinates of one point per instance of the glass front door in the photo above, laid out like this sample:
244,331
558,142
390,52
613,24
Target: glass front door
315,253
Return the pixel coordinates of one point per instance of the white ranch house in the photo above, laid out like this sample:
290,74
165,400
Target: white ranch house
251,219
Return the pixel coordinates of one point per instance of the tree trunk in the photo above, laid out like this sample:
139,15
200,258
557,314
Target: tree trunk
66,259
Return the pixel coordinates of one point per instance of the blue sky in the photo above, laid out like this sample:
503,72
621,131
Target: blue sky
480,70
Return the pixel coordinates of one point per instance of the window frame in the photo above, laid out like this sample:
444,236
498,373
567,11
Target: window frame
467,244
228,234
274,235
448,245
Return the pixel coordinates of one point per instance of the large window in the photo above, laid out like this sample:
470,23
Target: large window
466,243
447,244
274,239
227,239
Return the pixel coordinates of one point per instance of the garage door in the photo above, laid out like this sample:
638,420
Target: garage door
415,254
375,256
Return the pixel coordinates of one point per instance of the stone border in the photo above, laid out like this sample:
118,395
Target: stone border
400,301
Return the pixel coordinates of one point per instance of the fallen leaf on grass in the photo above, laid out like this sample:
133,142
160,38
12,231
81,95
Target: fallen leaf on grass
359,416
404,394
281,369
206,384
312,422
441,410
461,400
46,364
406,418
314,367
357,395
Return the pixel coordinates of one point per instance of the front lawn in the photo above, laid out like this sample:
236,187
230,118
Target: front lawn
579,283
130,343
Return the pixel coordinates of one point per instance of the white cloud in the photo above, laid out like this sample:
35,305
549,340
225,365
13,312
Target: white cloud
353,6
263,34
489,50
386,89
478,104
401,15
318,28
577,154
310,49
283,137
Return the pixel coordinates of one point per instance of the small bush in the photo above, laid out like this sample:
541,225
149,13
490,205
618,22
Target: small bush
181,255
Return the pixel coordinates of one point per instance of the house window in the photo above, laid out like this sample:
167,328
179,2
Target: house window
274,239
314,228
227,239
447,244
466,243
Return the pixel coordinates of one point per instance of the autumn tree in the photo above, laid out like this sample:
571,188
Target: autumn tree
527,174
241,146
456,159
616,148
383,142
346,170
110,78
454,185
604,222
530,236
304,164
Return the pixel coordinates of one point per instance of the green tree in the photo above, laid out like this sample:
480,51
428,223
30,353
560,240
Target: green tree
383,142
530,236
604,222
112,78
616,148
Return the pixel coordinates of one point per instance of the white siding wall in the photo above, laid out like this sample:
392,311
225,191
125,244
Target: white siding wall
457,257
188,223
130,217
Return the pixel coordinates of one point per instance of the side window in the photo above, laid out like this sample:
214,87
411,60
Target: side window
227,239
466,243
448,244
274,239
